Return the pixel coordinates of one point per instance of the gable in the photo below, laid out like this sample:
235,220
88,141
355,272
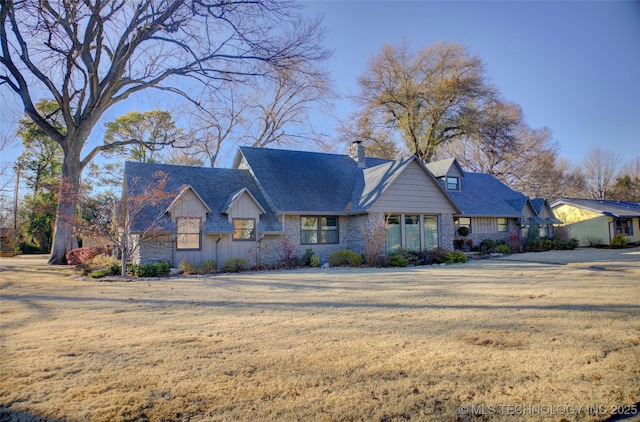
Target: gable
243,205
414,191
188,204
570,214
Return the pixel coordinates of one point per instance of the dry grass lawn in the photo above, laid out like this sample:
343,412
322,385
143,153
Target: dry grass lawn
330,344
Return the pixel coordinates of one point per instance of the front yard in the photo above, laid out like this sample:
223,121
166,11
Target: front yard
497,338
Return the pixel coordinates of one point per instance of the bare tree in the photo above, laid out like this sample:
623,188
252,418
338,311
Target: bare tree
89,56
429,98
627,185
278,111
213,123
99,216
599,169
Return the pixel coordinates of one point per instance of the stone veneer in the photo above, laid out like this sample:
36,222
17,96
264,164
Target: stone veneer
351,237
154,250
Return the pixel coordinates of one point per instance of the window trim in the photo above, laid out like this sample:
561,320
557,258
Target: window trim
318,230
253,231
619,228
199,220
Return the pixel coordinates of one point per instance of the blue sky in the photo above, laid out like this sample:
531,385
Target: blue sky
572,66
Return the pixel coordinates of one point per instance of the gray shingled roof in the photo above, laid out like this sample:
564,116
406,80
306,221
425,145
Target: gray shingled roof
484,195
611,208
308,182
215,186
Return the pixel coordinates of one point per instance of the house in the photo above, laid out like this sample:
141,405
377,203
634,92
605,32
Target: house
593,221
489,208
274,199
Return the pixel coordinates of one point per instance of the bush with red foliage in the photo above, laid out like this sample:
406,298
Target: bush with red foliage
82,256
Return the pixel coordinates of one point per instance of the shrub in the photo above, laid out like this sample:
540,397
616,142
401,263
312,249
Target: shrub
435,256
463,231
315,261
287,246
454,257
409,255
570,244
187,267
99,273
159,269
397,260
306,258
234,265
594,241
514,241
345,257
82,256
208,267
488,245
618,241
106,264
29,248
503,249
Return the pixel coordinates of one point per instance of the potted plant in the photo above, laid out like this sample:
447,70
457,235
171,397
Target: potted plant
465,243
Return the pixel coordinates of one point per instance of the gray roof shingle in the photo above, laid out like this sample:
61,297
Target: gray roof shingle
308,182
610,208
484,195
214,185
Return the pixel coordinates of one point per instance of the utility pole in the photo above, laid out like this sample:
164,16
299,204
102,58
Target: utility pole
15,202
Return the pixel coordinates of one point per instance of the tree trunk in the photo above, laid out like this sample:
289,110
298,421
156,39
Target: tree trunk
64,237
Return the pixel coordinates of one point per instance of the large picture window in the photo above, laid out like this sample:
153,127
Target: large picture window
244,229
394,233
188,233
430,231
412,232
319,230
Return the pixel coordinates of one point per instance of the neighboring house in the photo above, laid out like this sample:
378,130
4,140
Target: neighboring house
593,221
274,198
489,208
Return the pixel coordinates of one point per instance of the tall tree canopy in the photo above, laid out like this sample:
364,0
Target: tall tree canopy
91,55
428,98
151,130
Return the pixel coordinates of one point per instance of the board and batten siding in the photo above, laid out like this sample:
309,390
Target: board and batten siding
189,206
484,225
243,207
413,191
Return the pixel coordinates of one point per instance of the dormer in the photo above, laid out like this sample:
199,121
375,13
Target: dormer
449,172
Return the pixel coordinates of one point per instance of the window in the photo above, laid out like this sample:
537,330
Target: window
624,226
503,226
318,230
462,222
453,183
412,232
430,225
188,233
394,235
244,229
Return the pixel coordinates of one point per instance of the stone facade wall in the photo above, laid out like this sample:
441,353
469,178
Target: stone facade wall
447,231
154,250
355,231
271,247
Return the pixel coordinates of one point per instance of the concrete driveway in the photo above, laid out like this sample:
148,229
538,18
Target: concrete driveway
627,260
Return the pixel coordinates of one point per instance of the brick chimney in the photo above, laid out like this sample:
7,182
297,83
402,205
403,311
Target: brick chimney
356,151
